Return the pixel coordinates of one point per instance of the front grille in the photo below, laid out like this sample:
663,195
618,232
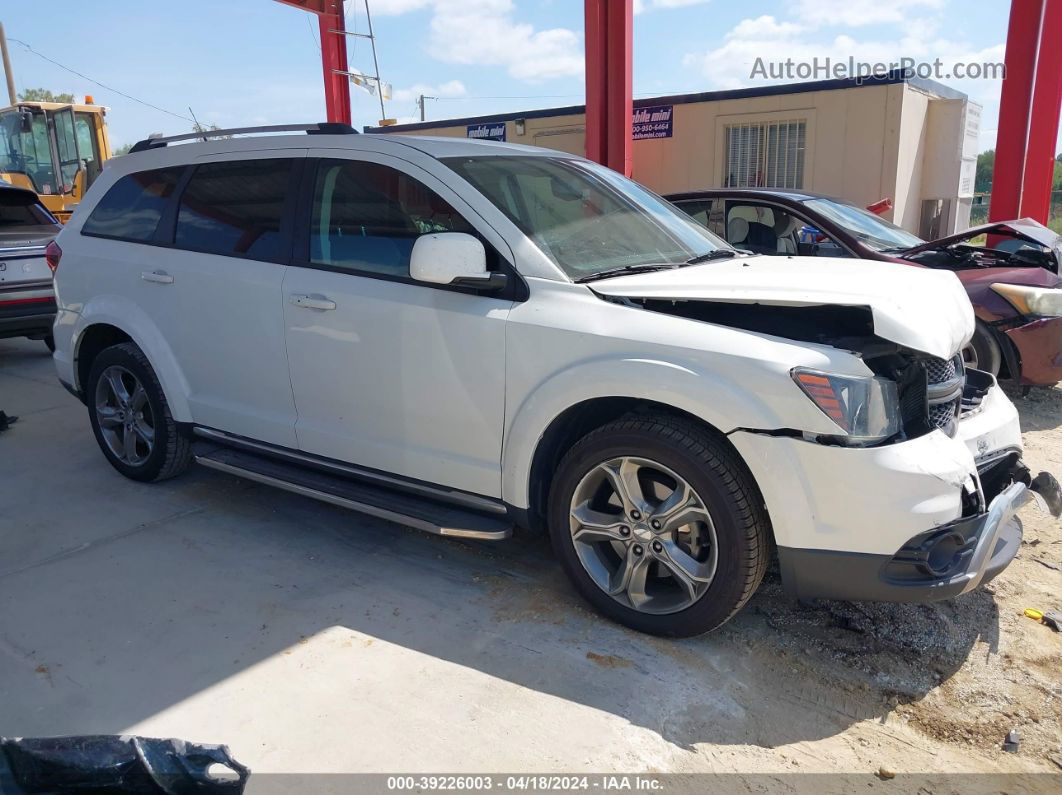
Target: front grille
944,388
940,370
942,415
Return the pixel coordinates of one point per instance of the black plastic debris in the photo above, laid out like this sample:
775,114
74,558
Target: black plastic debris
1012,743
6,421
104,763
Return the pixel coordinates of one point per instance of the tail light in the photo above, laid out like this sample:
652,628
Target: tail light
52,254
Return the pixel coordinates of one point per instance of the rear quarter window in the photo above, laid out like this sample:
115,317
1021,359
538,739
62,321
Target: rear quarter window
134,205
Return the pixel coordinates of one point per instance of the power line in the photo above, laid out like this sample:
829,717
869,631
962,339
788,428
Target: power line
98,83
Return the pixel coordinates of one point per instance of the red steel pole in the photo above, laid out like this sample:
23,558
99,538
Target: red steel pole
596,80
1015,108
1043,125
609,79
333,60
620,70
333,55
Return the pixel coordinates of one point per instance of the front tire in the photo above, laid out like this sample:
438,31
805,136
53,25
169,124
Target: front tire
131,419
982,352
659,525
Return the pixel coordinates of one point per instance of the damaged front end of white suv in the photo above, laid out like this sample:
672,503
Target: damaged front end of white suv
913,498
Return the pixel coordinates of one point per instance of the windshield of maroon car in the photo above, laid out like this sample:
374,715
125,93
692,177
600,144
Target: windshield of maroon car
872,231
585,217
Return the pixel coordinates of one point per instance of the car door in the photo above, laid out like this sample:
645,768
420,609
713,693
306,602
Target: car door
388,373
213,289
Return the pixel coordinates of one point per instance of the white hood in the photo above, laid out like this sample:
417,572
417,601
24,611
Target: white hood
919,308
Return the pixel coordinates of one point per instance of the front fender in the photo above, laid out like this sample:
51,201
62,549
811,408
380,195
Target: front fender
127,316
722,404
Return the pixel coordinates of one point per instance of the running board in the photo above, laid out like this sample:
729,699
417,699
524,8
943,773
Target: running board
428,515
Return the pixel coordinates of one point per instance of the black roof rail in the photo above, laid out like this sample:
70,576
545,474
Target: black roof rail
319,128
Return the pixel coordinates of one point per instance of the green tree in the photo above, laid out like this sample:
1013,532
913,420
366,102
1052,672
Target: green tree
43,95
121,150
986,161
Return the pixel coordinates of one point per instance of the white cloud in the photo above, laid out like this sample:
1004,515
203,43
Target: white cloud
854,13
451,88
805,38
641,6
485,33
385,8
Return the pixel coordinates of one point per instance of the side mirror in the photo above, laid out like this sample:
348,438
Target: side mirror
453,258
25,121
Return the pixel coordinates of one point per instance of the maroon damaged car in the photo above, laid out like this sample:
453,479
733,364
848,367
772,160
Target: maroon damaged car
1013,279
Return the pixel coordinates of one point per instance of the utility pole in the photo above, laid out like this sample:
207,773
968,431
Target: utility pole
7,67
420,104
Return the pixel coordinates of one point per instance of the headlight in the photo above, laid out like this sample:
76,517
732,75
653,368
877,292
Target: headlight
1038,301
866,409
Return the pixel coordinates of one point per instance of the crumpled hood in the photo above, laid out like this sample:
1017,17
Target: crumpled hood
926,310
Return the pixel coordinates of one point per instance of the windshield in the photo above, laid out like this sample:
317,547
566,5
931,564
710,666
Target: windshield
585,217
27,152
869,229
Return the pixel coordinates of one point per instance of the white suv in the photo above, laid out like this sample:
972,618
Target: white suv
463,336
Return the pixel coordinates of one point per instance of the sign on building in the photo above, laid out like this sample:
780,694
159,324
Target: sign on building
653,122
494,131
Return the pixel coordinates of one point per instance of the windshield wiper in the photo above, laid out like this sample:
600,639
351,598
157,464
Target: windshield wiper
719,253
625,271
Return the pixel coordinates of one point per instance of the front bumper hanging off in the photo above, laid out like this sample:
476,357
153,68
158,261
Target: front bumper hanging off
947,561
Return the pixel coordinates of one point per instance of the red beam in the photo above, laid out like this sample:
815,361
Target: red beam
609,80
1043,125
333,55
1015,108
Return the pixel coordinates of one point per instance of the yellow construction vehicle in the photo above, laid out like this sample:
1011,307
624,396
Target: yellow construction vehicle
55,149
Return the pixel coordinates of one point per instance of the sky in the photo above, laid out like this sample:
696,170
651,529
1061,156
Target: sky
250,62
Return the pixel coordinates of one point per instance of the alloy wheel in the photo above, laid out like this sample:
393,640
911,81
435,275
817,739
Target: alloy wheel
124,416
643,535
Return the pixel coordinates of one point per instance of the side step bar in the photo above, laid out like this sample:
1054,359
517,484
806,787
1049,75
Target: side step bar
424,514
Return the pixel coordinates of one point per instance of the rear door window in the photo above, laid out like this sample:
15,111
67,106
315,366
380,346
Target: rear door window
235,208
133,207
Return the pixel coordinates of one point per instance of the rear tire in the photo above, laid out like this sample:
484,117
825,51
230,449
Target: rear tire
131,419
982,352
665,578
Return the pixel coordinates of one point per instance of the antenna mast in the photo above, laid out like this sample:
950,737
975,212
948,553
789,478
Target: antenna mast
375,63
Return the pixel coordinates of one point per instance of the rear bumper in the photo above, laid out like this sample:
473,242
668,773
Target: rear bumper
948,561
27,309
27,320
1039,346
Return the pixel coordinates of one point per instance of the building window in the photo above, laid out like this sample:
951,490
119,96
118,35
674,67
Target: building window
767,155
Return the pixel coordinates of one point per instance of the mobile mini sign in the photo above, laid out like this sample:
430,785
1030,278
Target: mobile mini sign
655,121
494,131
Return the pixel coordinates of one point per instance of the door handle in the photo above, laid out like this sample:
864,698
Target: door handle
318,302
159,277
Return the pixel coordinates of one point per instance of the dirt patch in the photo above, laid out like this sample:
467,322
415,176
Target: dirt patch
609,660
